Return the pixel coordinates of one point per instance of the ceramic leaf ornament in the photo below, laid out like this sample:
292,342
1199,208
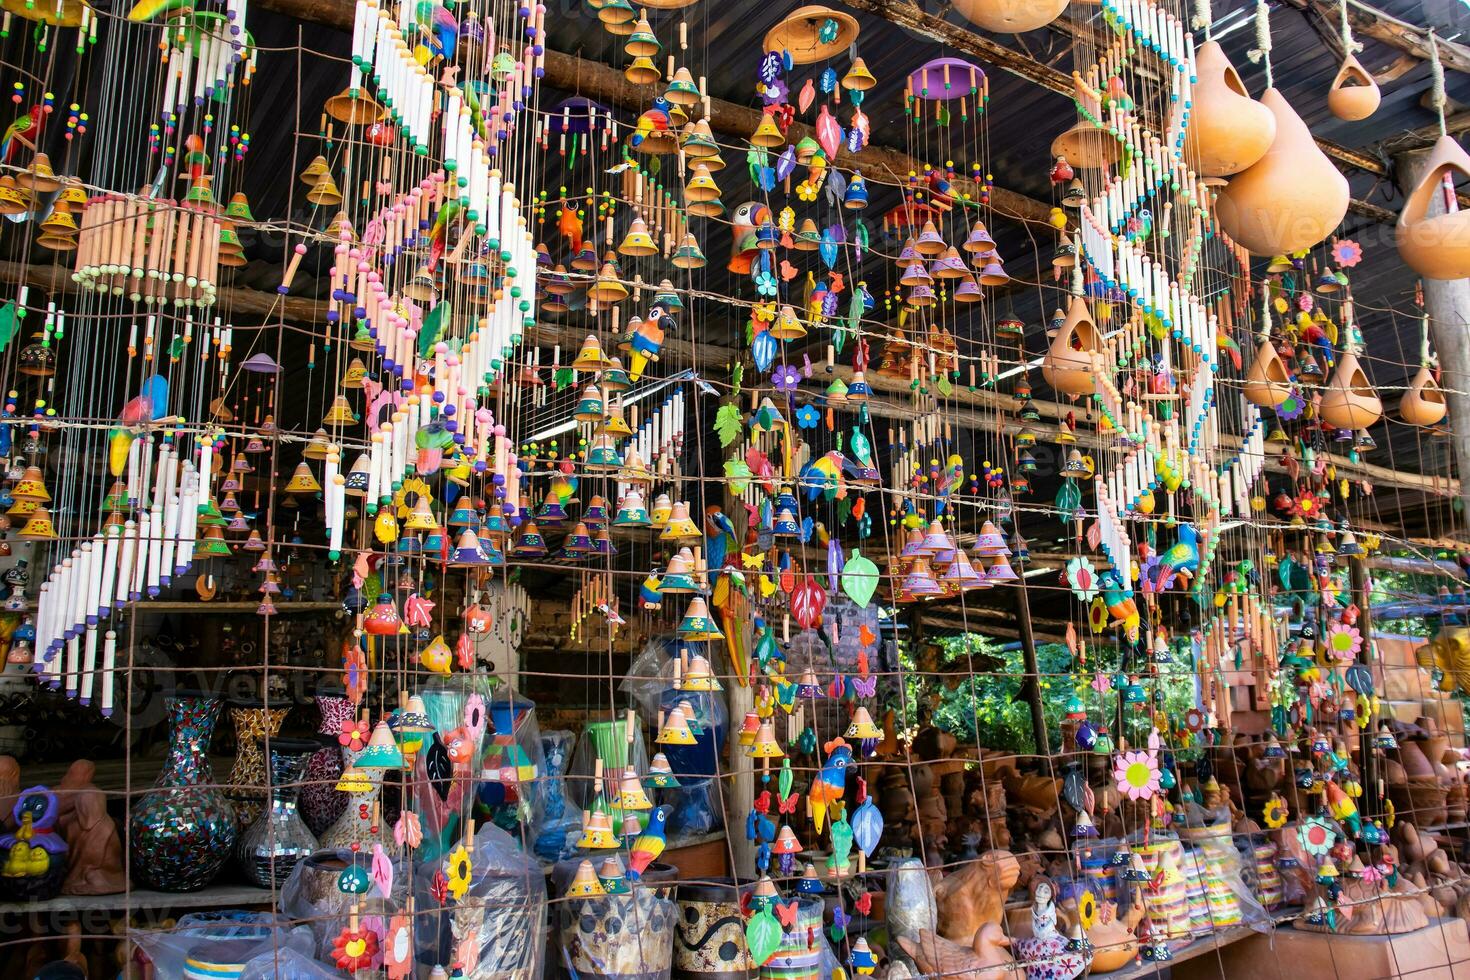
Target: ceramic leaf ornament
859,578
867,826
834,564
762,936
382,870
807,602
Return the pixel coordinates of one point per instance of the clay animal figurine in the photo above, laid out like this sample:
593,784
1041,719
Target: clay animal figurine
976,894
1045,955
984,959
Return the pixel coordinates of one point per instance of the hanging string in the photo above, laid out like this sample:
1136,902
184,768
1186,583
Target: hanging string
1262,50
1436,70
1204,19
1350,46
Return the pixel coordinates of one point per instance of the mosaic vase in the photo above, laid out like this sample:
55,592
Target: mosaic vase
320,803
253,722
271,846
182,832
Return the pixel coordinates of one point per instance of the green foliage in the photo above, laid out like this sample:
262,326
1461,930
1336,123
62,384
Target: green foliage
989,707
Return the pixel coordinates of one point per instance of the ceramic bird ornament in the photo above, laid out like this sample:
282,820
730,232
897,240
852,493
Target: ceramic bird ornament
649,845
984,959
829,785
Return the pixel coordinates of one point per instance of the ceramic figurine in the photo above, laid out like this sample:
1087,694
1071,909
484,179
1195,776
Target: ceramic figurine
33,857
94,861
1046,955
984,959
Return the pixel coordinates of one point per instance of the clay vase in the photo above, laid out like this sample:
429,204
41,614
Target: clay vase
1291,198
1350,401
1068,365
1354,94
1415,762
1423,403
1228,130
1267,384
1436,247
1010,16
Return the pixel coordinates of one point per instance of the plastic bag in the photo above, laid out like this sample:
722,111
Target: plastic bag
502,916
559,816
287,964
629,935
311,896
512,764
230,936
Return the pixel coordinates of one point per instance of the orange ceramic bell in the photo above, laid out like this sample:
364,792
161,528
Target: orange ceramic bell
1423,403
1068,365
1354,94
1010,16
1228,130
1349,402
1438,246
1266,383
1292,198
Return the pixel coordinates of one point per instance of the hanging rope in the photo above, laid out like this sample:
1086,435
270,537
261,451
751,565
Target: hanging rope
1204,18
1262,51
1350,46
1436,95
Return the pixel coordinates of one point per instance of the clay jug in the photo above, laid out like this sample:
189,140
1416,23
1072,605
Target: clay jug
1350,401
1068,366
1291,198
1436,247
1010,16
1228,130
1354,94
1415,762
1423,403
1266,383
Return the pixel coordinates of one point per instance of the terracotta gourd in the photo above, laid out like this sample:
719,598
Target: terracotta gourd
1291,198
1067,366
1266,383
1228,130
1436,247
1010,16
1423,403
1350,401
1354,94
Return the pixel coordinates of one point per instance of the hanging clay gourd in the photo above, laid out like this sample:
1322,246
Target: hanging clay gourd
1068,364
1354,94
1350,401
1228,130
1292,198
1436,247
1423,403
1010,16
1266,383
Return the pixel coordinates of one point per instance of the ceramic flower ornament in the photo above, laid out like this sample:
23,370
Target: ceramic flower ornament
1136,774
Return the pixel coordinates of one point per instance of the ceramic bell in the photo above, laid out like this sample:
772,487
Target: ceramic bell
1266,383
1350,401
1423,403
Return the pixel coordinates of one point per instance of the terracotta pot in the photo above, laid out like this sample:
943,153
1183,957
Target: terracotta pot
1354,94
1266,383
1086,146
1068,365
1423,403
1010,16
1350,401
1415,762
1292,198
1436,247
1228,130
